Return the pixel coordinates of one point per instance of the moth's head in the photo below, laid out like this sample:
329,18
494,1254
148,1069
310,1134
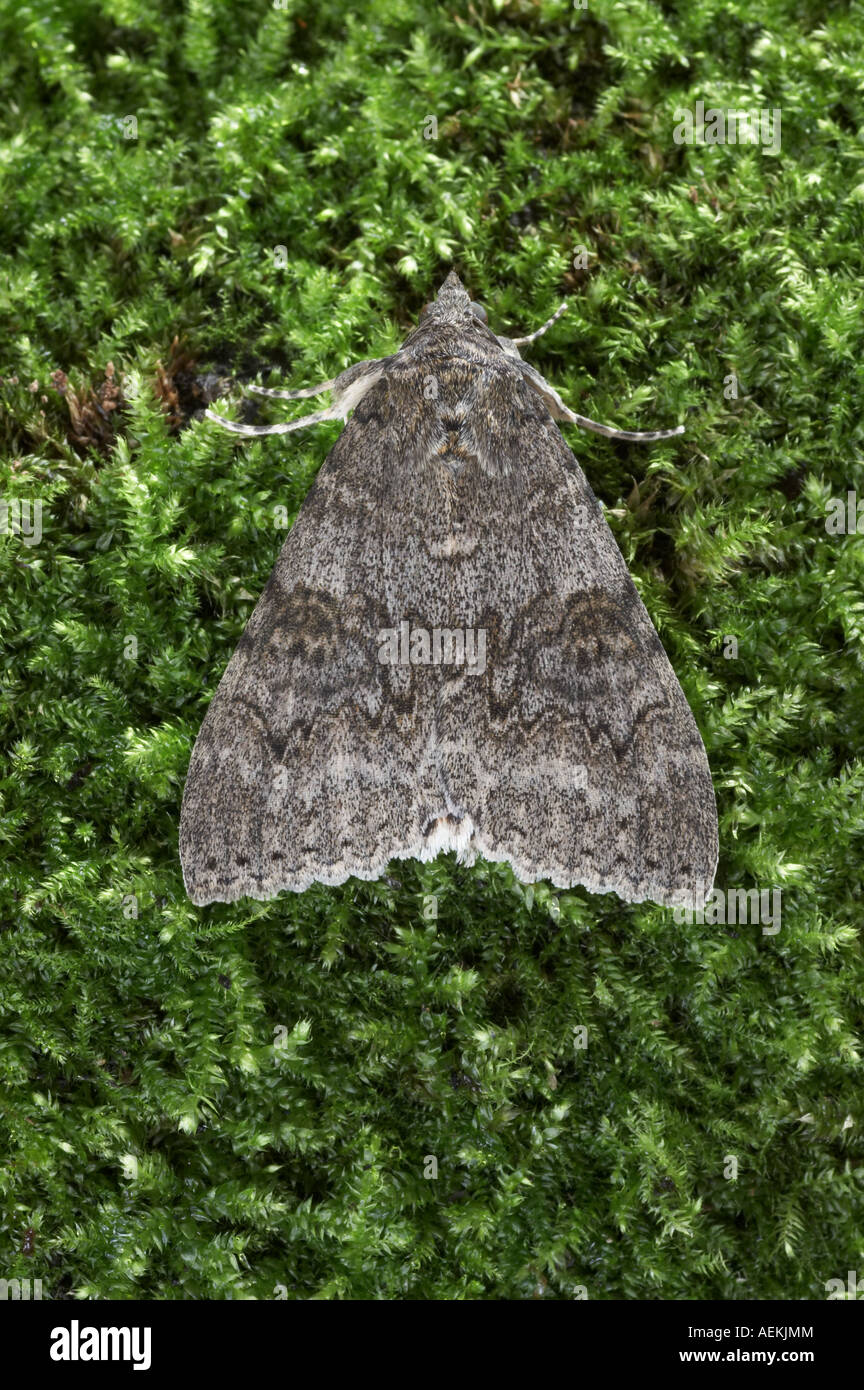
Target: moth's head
453,304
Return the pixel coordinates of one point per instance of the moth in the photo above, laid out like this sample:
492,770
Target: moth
450,654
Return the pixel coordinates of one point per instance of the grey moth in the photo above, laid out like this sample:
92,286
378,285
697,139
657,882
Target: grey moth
450,654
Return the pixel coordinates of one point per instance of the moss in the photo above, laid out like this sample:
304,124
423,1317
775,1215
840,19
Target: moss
228,1102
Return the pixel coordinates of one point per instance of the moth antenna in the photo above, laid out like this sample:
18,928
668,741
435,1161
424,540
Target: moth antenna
559,411
331,413
520,342
643,436
292,395
348,388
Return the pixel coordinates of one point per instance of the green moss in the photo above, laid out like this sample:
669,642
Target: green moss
213,1103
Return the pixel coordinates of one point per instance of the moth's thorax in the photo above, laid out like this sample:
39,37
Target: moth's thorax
455,412
446,381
